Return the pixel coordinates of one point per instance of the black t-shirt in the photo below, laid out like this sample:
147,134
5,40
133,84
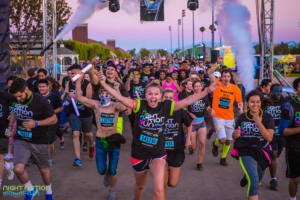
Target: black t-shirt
145,76
184,94
149,124
64,81
205,82
55,91
84,112
198,107
31,81
36,108
125,78
4,112
275,111
137,88
251,142
174,133
54,101
290,111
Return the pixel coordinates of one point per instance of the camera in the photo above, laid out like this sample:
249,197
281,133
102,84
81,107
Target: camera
192,4
114,5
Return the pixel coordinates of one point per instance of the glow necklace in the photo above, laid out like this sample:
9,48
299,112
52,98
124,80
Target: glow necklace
249,112
29,101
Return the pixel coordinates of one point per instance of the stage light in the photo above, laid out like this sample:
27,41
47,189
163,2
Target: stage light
114,5
192,5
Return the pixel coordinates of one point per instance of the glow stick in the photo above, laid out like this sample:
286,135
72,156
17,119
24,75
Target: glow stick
113,54
101,69
75,107
87,68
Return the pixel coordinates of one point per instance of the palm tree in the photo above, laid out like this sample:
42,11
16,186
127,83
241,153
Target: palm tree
202,29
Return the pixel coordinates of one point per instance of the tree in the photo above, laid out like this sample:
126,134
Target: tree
210,28
132,52
26,25
202,29
144,52
162,52
177,50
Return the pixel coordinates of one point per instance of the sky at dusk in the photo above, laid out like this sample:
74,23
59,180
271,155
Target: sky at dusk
125,26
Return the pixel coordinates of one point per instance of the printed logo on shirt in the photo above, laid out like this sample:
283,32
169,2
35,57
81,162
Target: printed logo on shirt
198,106
79,105
139,90
275,111
151,120
22,112
1,113
249,128
171,127
297,118
145,78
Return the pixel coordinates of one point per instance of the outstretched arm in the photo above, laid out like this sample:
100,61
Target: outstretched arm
195,97
213,69
130,103
87,102
94,78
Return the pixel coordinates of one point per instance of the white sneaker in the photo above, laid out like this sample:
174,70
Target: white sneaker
8,156
10,172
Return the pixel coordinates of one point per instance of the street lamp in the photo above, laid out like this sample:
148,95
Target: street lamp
183,15
179,23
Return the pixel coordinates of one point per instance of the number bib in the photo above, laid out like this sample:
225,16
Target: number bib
149,139
107,119
224,103
169,144
26,134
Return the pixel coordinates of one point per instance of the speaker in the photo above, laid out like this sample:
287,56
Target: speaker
215,54
4,43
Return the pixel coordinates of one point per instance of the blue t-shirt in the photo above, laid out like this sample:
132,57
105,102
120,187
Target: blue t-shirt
57,67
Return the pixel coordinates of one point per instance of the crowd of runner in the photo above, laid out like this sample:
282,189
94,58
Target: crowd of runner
169,102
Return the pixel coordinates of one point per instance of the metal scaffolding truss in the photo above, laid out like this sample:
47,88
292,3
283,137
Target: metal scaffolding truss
267,38
49,33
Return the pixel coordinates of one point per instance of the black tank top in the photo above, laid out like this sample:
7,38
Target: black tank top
84,112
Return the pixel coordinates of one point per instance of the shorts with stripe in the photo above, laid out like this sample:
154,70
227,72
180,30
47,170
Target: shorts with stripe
143,165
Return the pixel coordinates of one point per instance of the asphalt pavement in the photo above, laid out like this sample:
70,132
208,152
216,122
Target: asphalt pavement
85,183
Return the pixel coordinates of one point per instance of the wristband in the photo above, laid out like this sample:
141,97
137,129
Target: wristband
10,126
133,104
36,123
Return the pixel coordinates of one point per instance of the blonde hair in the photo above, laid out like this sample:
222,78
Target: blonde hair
154,83
167,90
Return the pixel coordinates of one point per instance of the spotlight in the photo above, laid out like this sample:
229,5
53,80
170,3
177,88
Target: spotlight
192,5
114,5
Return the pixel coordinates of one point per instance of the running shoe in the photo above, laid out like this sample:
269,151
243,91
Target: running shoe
112,195
8,156
215,150
191,150
62,144
223,162
243,181
106,180
274,184
199,167
84,147
49,196
51,162
209,134
10,172
92,151
30,194
77,162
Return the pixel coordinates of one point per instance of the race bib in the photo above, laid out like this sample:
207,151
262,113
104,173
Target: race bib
169,144
224,103
107,119
149,139
26,134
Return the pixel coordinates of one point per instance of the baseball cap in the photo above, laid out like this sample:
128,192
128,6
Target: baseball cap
31,71
217,74
201,72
